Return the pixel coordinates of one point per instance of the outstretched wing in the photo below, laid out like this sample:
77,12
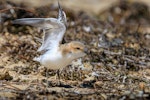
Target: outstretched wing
53,30
37,22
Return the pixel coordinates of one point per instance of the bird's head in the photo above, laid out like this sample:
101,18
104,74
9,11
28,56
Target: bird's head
75,50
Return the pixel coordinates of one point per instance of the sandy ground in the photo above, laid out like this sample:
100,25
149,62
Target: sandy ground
117,64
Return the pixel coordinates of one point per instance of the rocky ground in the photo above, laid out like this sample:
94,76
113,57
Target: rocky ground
117,65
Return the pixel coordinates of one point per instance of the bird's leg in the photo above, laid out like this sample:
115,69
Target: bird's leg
47,78
46,85
58,74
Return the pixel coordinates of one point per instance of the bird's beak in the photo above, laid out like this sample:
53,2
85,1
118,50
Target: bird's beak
86,50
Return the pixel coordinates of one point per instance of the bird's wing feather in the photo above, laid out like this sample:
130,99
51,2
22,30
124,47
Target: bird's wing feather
53,30
52,38
37,22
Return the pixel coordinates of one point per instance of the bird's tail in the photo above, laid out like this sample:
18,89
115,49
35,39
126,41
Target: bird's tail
38,59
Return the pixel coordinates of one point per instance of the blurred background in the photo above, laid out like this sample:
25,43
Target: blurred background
89,6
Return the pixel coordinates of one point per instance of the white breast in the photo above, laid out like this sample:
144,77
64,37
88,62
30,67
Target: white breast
54,60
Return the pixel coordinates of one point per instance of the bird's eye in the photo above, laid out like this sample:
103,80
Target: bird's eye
78,48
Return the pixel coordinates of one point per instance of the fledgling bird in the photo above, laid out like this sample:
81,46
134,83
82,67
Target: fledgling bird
56,55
